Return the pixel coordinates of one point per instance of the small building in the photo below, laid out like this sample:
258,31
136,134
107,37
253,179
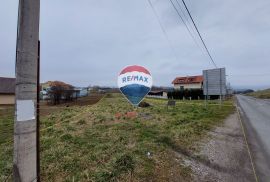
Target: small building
56,91
7,91
158,93
188,82
44,89
80,92
43,95
46,86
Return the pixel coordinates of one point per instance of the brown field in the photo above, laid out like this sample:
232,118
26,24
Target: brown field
46,109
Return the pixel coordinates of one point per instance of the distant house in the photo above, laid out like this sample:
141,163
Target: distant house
44,89
188,82
7,90
46,86
158,93
56,91
80,92
43,95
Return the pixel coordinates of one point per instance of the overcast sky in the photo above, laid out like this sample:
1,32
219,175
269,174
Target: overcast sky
88,42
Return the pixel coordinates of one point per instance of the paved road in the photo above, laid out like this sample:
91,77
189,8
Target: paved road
255,114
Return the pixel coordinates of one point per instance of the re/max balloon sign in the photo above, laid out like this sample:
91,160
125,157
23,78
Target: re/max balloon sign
135,82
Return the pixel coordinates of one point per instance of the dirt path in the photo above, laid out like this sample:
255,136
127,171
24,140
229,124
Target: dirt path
223,156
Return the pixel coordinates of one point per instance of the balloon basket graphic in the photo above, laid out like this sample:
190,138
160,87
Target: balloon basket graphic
135,93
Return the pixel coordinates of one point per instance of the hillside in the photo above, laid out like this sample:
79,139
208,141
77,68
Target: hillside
262,94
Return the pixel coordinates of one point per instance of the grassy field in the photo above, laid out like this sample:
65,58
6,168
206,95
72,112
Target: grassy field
262,94
105,142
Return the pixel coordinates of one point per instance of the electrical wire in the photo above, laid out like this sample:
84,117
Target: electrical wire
189,28
178,13
163,29
189,24
199,33
186,18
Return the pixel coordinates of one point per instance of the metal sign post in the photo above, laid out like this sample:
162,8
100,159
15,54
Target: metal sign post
220,88
206,86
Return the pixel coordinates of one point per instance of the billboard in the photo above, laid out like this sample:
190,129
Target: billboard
214,81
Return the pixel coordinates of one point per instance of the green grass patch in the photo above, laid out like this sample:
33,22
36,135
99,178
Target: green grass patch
89,143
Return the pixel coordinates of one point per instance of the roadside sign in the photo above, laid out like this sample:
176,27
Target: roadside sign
135,83
214,82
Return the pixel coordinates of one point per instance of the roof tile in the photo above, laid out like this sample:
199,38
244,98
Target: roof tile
188,80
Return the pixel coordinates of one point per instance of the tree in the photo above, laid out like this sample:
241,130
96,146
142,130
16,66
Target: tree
60,91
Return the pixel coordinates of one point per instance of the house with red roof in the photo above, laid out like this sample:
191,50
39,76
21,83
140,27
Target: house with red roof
188,82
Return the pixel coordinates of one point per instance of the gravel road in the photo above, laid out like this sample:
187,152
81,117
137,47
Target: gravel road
255,115
223,156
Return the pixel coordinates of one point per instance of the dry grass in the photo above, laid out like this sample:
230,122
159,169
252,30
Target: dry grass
88,143
262,94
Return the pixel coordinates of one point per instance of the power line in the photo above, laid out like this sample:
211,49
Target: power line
186,18
198,33
184,22
189,28
162,28
189,23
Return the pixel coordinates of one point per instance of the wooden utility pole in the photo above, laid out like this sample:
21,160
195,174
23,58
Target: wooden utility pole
25,133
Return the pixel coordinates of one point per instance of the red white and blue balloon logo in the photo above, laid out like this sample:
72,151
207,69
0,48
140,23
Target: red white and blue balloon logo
135,82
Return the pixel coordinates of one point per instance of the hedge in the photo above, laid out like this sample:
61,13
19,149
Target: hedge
180,94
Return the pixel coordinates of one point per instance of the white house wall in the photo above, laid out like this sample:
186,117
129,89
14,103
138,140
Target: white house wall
188,86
